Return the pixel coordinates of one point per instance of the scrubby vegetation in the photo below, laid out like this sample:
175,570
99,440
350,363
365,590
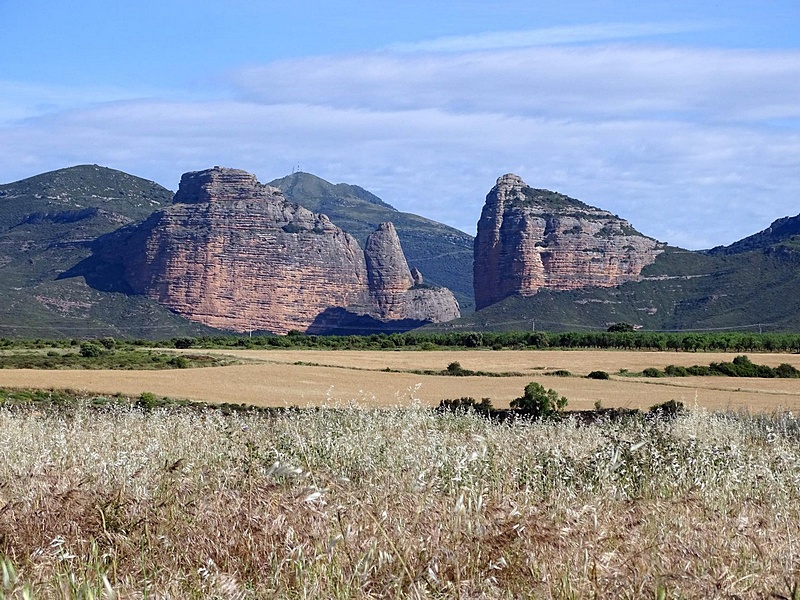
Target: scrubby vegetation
539,402
426,340
97,355
120,500
741,366
598,375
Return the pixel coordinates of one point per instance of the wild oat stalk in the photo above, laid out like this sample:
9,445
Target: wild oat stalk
356,503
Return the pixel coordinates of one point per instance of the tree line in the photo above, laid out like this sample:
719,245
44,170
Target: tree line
516,340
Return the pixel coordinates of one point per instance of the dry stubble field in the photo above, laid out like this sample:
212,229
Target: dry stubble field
273,378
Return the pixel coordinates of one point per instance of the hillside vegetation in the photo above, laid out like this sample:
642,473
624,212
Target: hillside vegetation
47,224
682,290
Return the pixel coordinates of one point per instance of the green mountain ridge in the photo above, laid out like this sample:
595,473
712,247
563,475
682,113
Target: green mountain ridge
682,290
785,230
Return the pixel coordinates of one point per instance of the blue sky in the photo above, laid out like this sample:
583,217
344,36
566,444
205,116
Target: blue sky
682,117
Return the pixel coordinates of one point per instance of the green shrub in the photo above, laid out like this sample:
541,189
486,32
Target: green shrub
454,368
178,362
560,373
147,400
182,343
676,371
786,371
653,372
539,402
474,340
90,350
109,343
699,371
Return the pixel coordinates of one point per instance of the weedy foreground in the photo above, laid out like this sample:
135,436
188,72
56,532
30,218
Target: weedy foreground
130,502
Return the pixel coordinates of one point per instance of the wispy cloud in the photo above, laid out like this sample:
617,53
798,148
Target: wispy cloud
592,82
549,36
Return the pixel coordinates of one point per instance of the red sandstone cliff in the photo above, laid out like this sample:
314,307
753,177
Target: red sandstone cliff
397,292
232,253
530,239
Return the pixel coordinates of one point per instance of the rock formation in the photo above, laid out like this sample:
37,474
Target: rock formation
393,286
531,239
232,253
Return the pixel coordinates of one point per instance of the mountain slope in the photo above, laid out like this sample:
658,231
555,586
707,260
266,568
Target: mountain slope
47,224
786,229
442,254
47,221
545,260
681,290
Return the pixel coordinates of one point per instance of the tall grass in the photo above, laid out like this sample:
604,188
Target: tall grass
354,503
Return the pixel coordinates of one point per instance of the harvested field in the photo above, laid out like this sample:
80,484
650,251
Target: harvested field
339,377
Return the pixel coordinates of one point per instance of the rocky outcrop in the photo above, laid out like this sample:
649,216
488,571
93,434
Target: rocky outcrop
232,253
393,286
531,239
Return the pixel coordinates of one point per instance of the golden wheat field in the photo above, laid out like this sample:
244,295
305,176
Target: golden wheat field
313,378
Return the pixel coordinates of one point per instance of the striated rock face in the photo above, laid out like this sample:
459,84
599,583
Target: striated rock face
234,254
531,239
392,283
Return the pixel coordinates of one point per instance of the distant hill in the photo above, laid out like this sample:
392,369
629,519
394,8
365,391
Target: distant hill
755,290
47,224
785,230
443,254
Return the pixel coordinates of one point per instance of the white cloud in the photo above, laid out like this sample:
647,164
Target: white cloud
575,83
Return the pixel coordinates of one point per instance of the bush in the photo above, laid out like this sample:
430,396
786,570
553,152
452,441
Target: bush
539,402
183,343
560,373
652,372
676,371
109,343
620,328
669,409
598,375
90,350
149,401
785,370
474,340
178,362
455,368
467,404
